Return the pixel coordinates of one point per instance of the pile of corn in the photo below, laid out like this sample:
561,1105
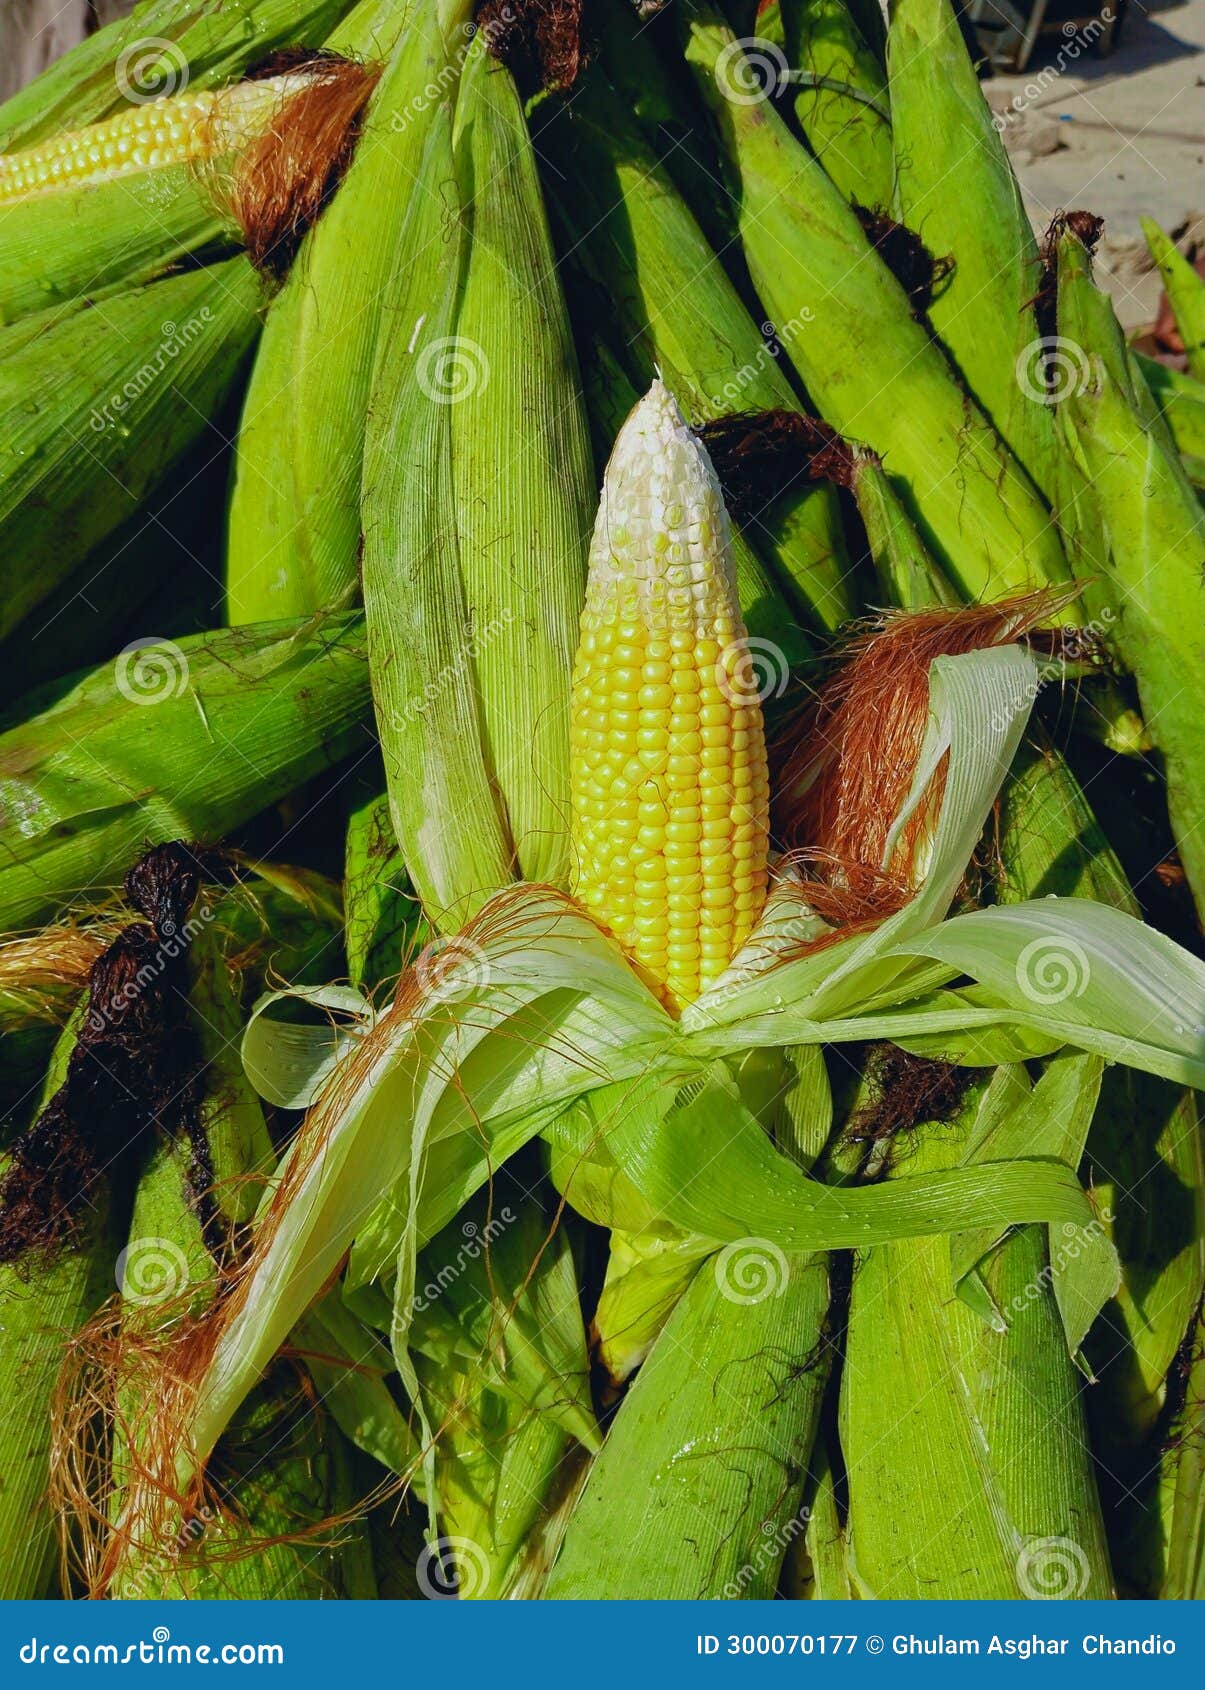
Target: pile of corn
575,1043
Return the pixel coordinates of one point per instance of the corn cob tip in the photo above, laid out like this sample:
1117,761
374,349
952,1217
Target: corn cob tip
668,763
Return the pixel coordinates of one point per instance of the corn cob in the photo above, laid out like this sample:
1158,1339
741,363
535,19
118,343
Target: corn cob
42,1304
831,297
183,129
294,537
164,45
240,717
1185,292
125,200
100,406
956,188
843,104
643,257
669,784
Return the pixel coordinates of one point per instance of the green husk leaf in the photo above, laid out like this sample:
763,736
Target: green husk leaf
96,408
695,1494
1185,294
182,741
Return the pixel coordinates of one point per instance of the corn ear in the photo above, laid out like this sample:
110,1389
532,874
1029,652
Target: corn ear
682,1502
98,407
843,105
956,188
294,537
173,741
626,225
830,296
523,513
1185,292
453,755
670,790
161,47
963,1435
1142,527
42,1305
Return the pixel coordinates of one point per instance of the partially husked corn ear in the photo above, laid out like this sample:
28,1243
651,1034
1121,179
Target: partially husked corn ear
163,46
183,129
668,765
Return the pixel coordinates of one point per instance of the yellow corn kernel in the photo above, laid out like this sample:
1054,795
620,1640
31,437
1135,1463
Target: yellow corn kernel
680,799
